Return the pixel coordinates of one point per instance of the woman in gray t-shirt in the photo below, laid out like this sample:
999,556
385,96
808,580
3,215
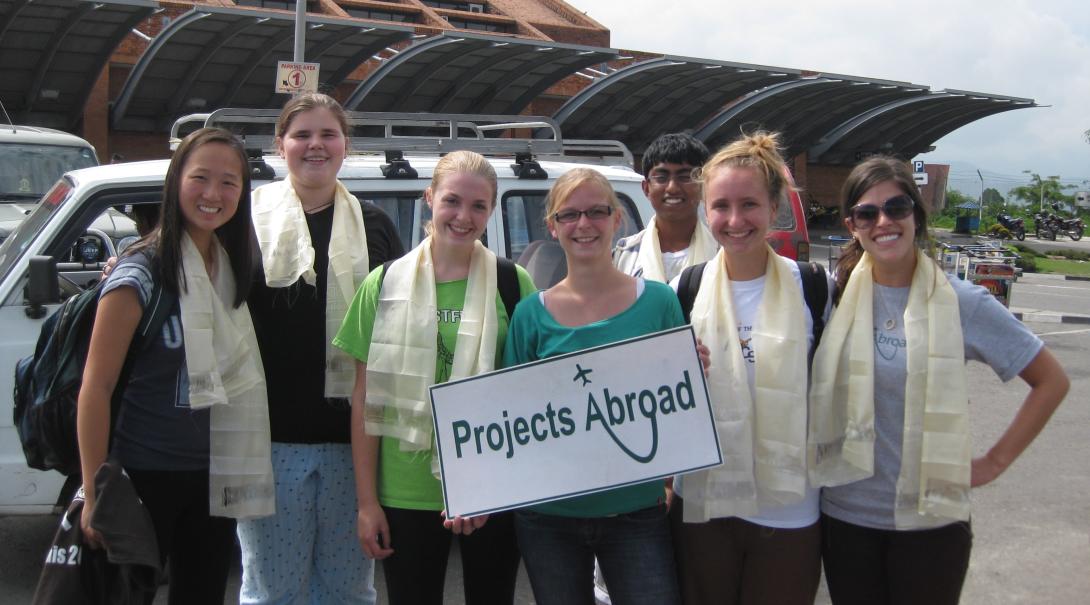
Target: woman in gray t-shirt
889,408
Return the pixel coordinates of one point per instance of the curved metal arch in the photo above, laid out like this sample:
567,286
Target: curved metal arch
545,82
848,102
252,62
413,84
121,106
599,112
693,110
711,127
225,36
575,103
365,53
840,132
924,139
16,8
50,51
365,87
885,129
456,87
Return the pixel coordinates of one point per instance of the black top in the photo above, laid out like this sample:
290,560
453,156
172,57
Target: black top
290,326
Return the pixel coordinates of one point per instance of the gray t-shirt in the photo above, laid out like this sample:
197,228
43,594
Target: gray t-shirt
156,429
992,336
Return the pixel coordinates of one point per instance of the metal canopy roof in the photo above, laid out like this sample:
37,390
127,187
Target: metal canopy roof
803,110
216,57
670,94
53,51
909,127
457,72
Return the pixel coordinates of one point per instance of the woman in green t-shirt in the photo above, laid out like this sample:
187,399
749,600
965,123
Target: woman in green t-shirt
431,316
625,528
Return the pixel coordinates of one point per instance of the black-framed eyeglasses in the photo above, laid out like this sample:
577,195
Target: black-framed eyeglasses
595,213
896,208
681,177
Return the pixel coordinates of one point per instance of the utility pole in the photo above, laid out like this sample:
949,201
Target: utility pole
300,30
980,214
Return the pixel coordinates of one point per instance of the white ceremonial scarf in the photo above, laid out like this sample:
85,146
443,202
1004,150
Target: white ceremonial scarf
933,485
701,248
288,254
401,359
225,373
763,438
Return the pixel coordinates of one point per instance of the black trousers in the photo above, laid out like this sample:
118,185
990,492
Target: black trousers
196,548
875,566
416,571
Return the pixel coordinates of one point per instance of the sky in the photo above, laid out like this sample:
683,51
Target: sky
1038,50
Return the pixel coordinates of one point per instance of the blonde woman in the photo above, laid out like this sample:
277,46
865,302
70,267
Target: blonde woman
889,432
625,528
741,528
434,315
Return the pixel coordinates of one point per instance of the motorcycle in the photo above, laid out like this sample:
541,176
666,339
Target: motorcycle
1044,224
1071,227
1015,226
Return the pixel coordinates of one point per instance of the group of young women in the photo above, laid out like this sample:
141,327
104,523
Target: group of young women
347,334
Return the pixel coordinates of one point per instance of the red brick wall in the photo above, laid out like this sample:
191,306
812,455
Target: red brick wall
823,183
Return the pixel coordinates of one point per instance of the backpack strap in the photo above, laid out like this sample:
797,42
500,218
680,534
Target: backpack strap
507,283
687,287
815,289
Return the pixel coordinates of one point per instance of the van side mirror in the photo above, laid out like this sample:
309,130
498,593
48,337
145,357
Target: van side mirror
43,287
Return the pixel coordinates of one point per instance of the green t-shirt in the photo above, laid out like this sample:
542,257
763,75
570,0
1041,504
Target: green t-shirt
404,478
534,335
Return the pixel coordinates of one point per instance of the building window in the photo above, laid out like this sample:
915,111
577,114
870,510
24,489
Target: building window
281,4
379,15
480,26
454,5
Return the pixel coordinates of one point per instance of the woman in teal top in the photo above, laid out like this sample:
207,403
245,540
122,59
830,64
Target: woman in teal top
625,528
431,316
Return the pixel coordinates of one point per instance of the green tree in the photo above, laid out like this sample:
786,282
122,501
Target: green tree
992,196
1050,189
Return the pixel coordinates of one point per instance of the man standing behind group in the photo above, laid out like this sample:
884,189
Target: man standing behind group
674,238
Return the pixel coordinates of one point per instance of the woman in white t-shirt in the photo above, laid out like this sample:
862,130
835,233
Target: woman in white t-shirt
747,531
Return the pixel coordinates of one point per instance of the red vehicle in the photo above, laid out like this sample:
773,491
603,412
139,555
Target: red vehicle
789,236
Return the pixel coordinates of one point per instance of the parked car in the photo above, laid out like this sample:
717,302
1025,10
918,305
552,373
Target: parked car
31,160
85,218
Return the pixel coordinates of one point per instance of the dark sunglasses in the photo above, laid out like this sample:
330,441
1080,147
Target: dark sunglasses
896,208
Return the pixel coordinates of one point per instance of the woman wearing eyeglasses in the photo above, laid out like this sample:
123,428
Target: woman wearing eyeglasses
889,430
626,528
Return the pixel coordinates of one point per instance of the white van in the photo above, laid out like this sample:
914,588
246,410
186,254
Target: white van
31,160
78,226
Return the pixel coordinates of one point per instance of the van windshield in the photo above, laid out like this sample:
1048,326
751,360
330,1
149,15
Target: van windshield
27,170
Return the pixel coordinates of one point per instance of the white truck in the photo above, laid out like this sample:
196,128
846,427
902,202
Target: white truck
84,219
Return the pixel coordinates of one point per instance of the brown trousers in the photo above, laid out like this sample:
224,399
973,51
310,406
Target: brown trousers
734,562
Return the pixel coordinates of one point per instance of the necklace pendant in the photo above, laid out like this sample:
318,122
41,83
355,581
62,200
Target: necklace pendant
890,324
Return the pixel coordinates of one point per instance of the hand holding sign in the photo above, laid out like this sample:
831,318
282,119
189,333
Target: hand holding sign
593,420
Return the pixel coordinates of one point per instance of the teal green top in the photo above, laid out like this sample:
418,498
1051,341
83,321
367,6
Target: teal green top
404,477
534,334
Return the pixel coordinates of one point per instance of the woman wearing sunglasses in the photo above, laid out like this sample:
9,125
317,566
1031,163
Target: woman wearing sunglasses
595,304
889,430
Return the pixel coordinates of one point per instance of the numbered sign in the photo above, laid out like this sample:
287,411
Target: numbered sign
292,78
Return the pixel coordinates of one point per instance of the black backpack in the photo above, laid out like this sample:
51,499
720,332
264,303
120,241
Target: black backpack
507,283
47,383
815,289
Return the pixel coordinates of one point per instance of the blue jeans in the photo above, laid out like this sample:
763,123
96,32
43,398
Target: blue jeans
633,549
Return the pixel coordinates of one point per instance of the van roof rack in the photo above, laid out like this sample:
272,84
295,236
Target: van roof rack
424,133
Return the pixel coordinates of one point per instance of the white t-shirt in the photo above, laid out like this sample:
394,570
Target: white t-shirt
747,296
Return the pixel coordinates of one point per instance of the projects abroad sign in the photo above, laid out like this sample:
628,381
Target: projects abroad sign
575,424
